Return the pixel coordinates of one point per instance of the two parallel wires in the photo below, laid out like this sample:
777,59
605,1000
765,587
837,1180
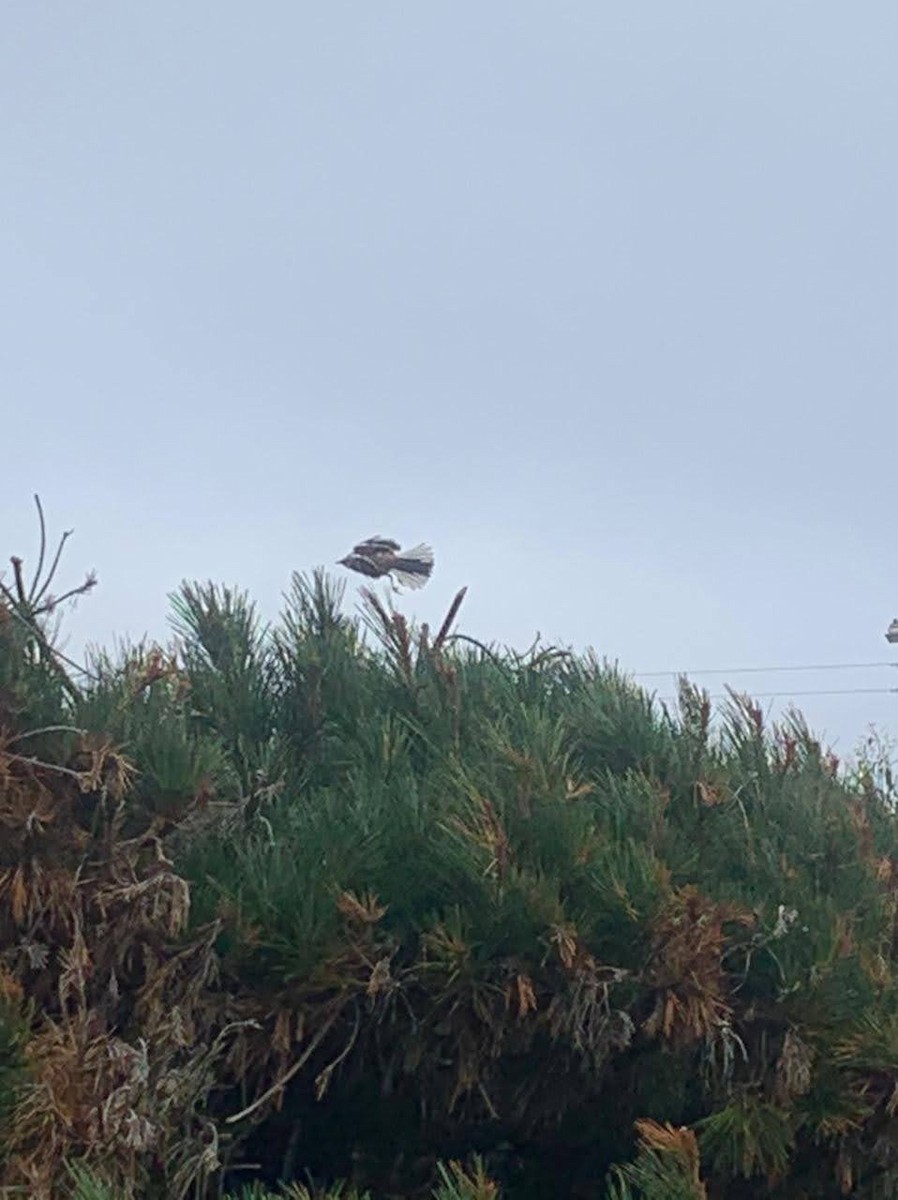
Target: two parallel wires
787,669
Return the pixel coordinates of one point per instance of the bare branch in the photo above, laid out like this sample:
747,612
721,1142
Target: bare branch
46,729
463,637
284,1079
324,1077
54,565
45,766
43,548
54,601
76,666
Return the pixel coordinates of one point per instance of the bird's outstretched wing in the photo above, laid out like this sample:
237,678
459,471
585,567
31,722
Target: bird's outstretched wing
376,545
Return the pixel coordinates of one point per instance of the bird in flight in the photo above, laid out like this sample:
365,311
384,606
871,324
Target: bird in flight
379,556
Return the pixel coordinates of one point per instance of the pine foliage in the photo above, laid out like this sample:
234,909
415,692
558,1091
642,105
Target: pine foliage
407,914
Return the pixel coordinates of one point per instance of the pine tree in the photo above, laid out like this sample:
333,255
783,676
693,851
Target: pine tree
409,914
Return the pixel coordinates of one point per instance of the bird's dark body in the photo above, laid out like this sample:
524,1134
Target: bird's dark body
362,564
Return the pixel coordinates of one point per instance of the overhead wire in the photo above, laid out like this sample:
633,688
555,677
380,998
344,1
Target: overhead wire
767,670
814,692
784,668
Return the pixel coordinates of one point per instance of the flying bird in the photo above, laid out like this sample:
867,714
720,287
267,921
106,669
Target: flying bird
379,556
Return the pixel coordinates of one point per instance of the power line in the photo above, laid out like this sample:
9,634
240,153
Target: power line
767,670
794,695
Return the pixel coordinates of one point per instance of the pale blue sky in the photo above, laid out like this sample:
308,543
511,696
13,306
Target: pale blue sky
598,299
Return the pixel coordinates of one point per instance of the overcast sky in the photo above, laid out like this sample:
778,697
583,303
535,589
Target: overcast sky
599,299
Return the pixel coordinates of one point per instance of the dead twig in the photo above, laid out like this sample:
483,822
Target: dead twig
324,1077
285,1079
463,637
44,766
53,566
42,551
17,737
55,601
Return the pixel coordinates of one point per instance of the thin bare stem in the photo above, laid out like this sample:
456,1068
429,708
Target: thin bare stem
533,646
43,548
37,762
74,665
463,637
285,1079
53,566
324,1076
17,737
55,601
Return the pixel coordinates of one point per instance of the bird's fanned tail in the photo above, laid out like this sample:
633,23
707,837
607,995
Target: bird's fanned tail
413,568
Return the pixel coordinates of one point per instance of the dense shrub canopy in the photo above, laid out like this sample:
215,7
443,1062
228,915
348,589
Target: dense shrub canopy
349,900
